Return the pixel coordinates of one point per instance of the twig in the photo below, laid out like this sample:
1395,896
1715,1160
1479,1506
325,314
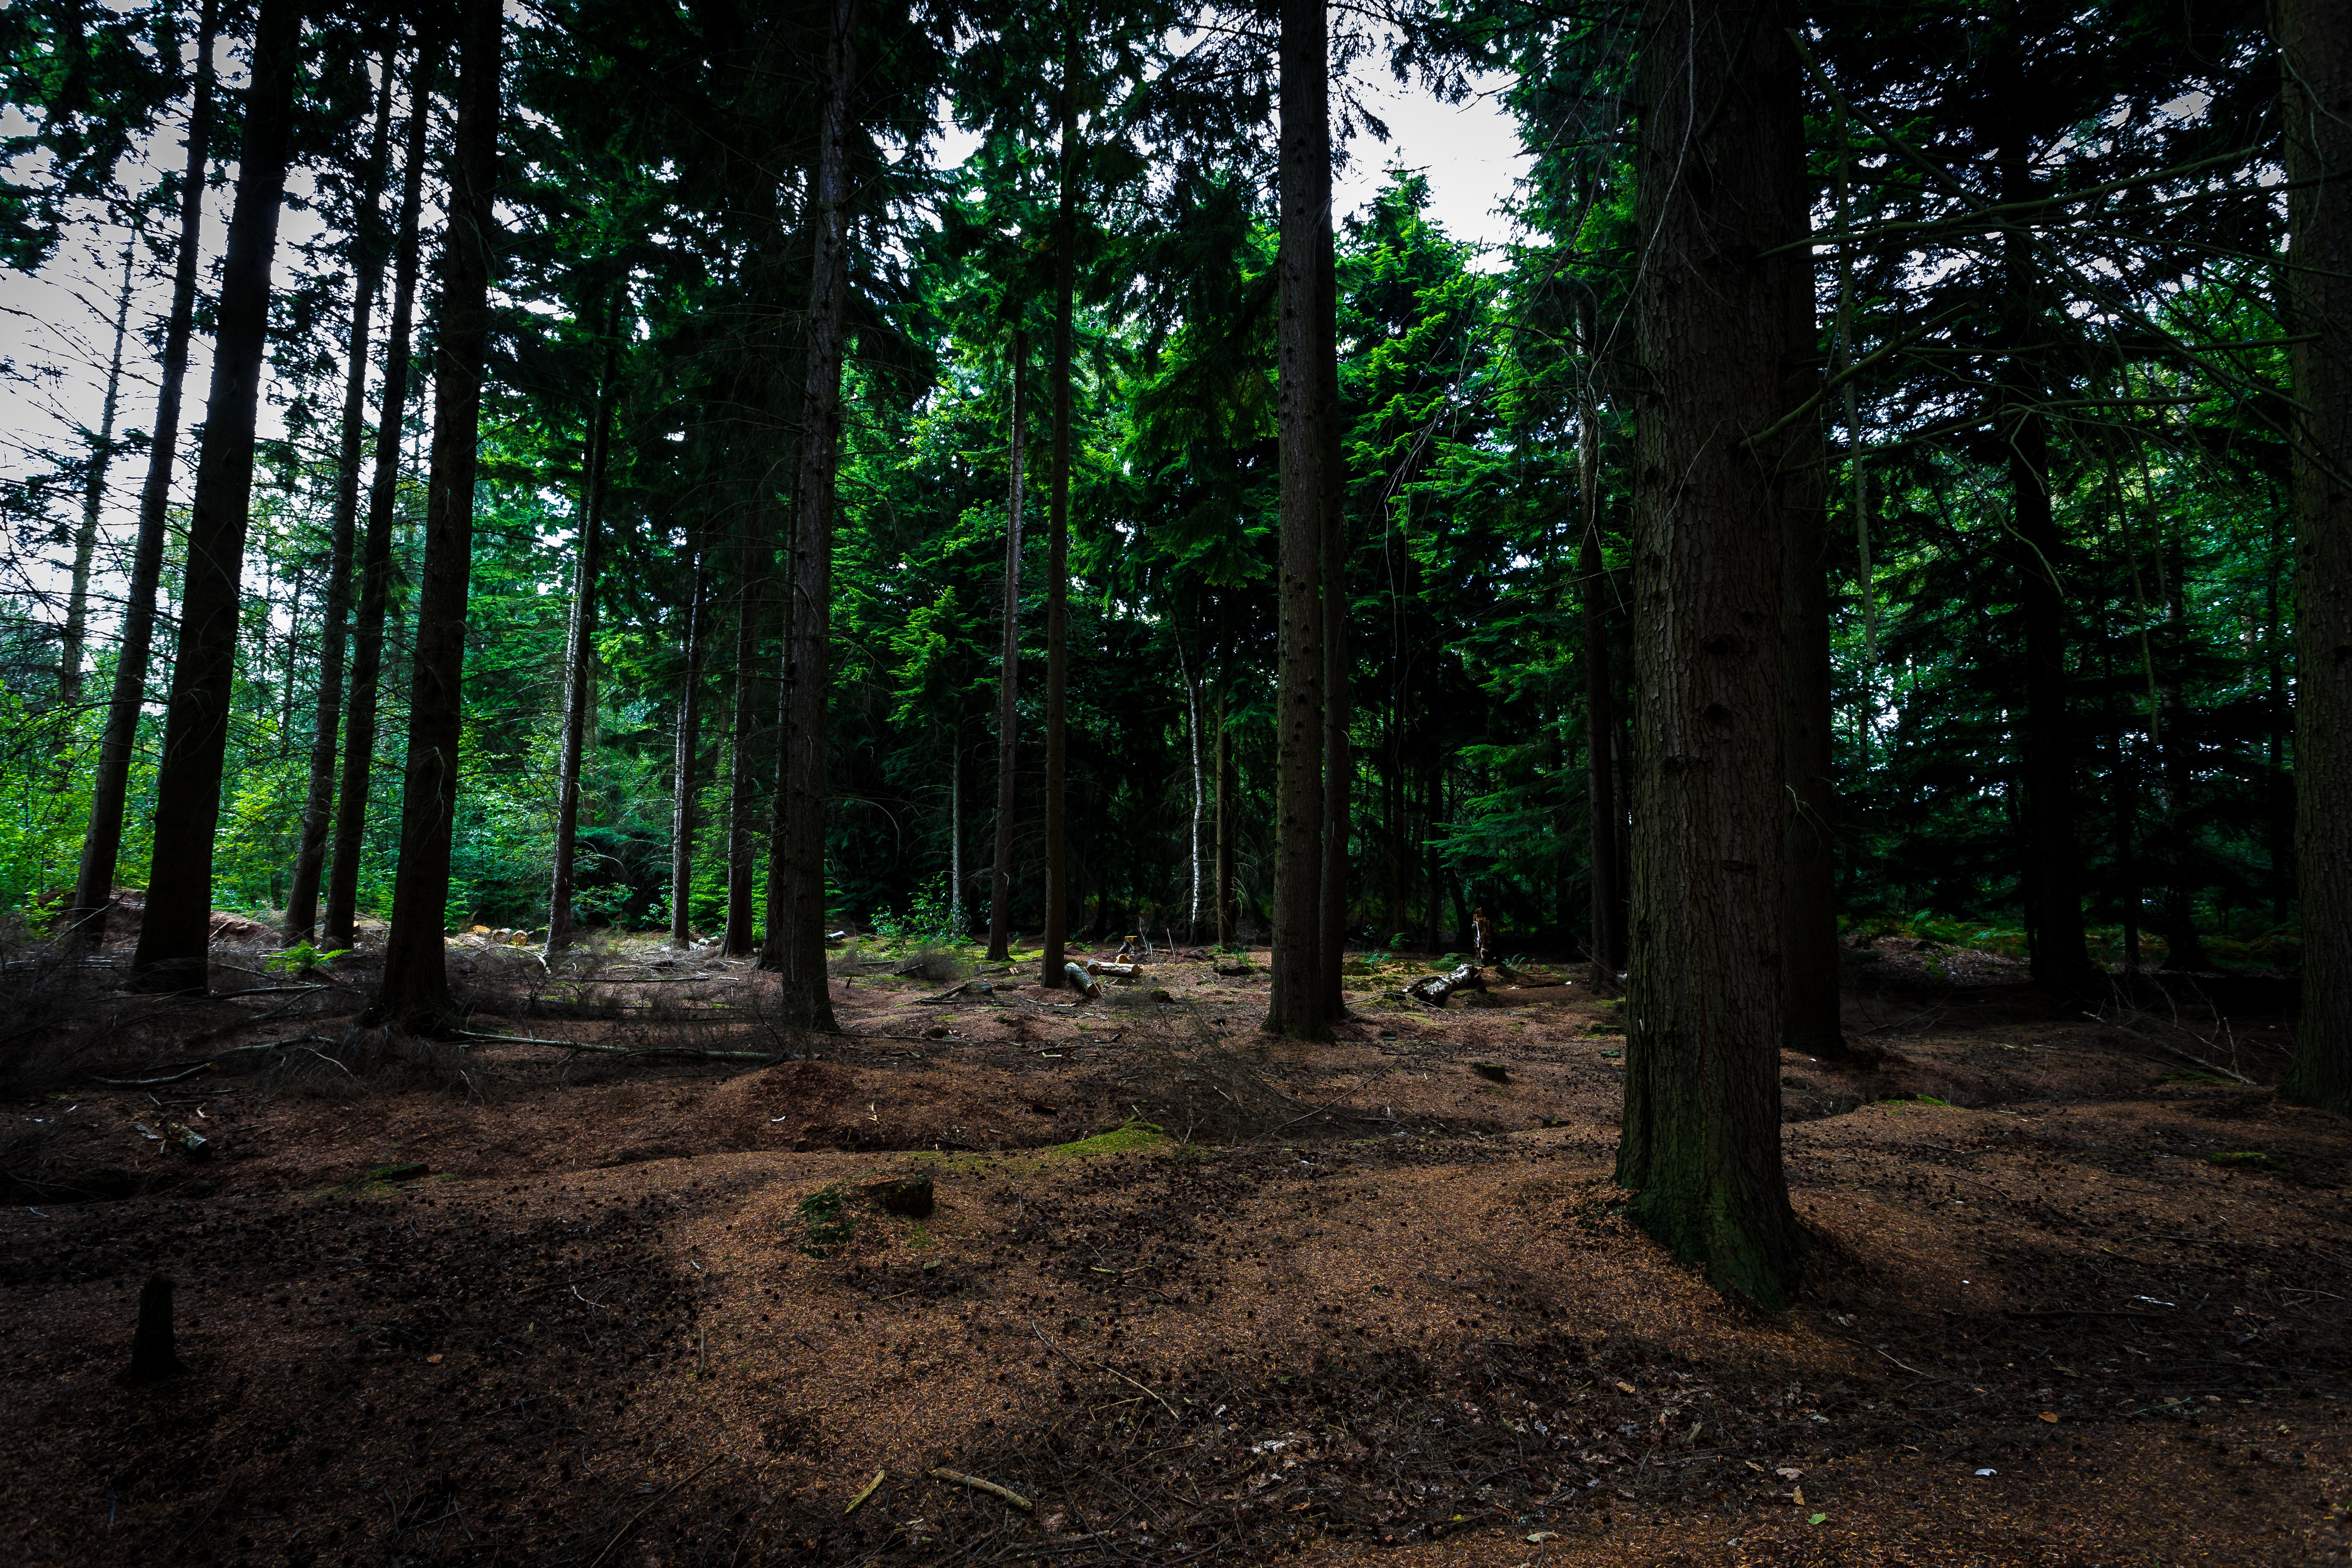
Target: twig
2174,1050
959,1479
864,1493
641,1513
1104,1365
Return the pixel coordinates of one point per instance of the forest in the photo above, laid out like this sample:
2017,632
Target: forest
893,629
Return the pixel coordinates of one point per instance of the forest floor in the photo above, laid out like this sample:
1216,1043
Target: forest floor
1199,1294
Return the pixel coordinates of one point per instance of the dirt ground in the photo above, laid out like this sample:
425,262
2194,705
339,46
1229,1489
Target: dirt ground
1193,1293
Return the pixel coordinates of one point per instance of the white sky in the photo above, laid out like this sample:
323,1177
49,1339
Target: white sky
63,317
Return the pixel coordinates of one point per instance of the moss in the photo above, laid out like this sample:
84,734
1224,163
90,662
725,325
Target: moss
1129,1137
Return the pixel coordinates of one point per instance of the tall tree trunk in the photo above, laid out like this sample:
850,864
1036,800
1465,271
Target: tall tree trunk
341,926
1225,811
796,878
741,777
413,994
1297,1000
93,496
1057,537
1338,760
2279,816
2183,948
1193,745
2316,89
690,738
1702,1120
2061,958
955,832
176,932
367,276
1810,1020
1008,680
102,844
1599,689
579,635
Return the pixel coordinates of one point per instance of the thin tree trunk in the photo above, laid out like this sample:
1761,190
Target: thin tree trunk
1057,539
1702,1118
580,636
413,994
93,495
367,276
1600,690
743,725
1297,998
1339,759
796,884
2279,816
1224,895
341,926
175,932
1199,801
1008,680
2316,88
102,844
689,738
955,831
2184,949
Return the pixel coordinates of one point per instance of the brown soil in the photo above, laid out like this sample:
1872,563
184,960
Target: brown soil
1351,1304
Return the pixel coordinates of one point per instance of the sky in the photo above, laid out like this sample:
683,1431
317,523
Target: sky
63,318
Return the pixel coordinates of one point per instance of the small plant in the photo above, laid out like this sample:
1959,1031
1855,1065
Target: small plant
932,918
302,959
826,1225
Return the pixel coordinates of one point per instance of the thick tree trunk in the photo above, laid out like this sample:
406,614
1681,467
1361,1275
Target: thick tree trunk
367,275
413,994
176,930
1008,680
1720,131
1297,999
2317,90
1339,759
579,635
93,496
955,832
1225,810
796,947
689,738
341,926
1057,542
1193,745
102,844
1600,685
742,777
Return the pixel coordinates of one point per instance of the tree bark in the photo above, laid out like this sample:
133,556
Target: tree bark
580,636
743,729
102,844
2316,53
689,738
1226,805
1008,680
1057,539
367,276
796,947
1701,1144
93,496
1297,997
413,994
175,932
1599,684
1193,745
2183,948
1339,759
341,926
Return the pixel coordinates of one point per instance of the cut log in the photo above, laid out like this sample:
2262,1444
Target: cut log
1086,983
1116,971
1435,988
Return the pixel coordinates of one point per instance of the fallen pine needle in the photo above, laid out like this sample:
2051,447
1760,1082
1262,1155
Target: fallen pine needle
864,1493
1007,1493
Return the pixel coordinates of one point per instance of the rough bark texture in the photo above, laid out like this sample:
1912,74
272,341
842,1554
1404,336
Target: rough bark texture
367,274
341,926
1338,760
2317,52
1600,693
176,932
742,794
93,497
1008,678
796,947
1058,545
102,844
690,737
1225,890
413,994
580,637
1296,1003
1702,1117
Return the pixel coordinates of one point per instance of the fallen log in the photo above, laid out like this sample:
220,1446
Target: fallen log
1086,983
1435,988
1116,971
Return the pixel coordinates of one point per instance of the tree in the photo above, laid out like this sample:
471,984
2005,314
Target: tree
2316,90
413,993
176,932
1720,142
93,494
580,643
1058,525
1008,690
